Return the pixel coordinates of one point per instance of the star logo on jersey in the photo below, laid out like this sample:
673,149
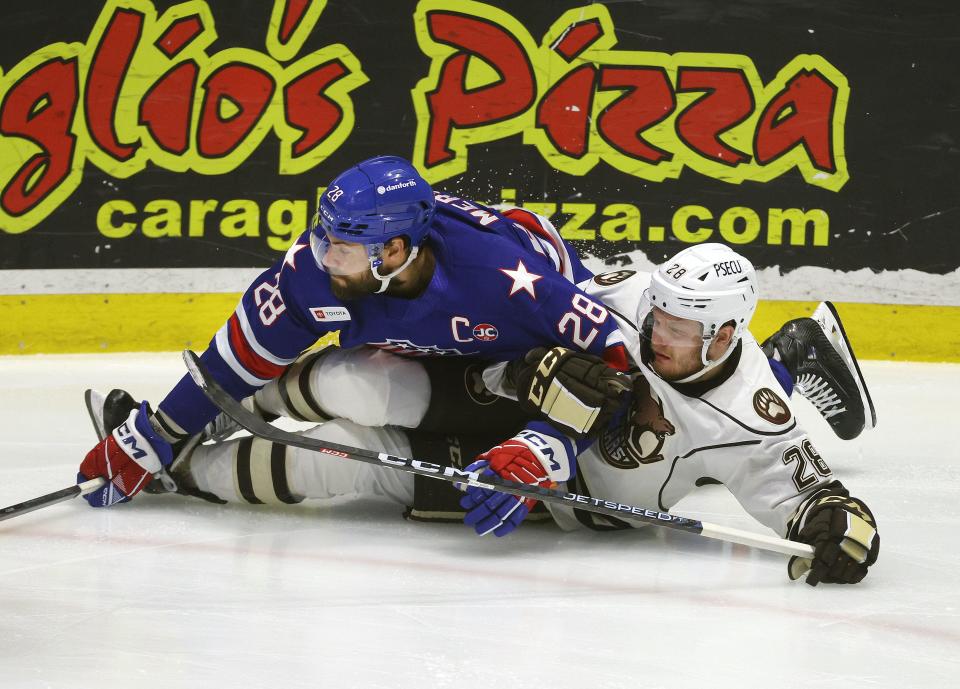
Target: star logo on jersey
522,279
291,256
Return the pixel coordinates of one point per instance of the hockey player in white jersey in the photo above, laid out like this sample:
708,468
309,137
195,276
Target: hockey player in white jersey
705,404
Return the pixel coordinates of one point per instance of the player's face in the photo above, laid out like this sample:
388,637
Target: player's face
343,258
349,268
676,344
357,286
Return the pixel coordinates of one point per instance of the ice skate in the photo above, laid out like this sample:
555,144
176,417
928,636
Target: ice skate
818,355
110,410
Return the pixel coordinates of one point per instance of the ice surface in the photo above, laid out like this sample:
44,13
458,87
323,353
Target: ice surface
174,592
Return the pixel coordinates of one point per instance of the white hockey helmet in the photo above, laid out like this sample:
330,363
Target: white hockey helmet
707,283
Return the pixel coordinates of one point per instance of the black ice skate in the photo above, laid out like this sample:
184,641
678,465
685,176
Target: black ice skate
818,355
109,411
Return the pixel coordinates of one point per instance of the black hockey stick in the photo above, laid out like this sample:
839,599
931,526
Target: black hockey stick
267,431
52,498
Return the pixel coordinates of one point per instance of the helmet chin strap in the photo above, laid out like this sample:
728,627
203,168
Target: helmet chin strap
708,365
385,279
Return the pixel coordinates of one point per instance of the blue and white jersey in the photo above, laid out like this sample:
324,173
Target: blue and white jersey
503,284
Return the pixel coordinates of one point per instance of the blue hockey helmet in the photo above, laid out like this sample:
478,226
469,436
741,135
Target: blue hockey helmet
370,204
375,201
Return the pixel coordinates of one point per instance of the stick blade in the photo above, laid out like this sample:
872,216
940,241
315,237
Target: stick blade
194,369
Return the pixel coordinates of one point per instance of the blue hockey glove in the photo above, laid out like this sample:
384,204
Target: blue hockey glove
500,513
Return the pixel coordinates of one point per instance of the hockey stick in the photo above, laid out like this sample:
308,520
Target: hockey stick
267,431
52,498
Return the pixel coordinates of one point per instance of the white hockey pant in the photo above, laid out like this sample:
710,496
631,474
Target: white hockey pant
365,385
309,475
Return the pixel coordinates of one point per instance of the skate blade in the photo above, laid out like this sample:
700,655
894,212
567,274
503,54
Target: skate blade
828,318
94,401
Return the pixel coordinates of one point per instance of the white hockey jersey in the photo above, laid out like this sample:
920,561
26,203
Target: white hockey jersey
740,430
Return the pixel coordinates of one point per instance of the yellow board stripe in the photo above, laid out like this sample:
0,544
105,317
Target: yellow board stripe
55,323
879,331
58,323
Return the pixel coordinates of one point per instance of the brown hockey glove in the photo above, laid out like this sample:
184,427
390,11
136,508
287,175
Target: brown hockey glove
578,392
844,536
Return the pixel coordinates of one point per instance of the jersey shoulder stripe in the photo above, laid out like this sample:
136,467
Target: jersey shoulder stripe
238,347
751,398
250,339
543,229
750,428
225,351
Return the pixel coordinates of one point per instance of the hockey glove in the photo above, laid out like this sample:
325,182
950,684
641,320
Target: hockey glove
844,536
128,458
491,511
577,391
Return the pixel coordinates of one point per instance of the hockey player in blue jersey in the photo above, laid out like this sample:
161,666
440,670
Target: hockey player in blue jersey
388,263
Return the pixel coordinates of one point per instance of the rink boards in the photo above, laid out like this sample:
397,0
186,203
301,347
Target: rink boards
109,322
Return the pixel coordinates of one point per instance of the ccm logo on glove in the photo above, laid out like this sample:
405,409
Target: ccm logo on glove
127,438
128,458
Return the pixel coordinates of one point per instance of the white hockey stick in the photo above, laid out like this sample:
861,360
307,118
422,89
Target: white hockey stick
267,431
